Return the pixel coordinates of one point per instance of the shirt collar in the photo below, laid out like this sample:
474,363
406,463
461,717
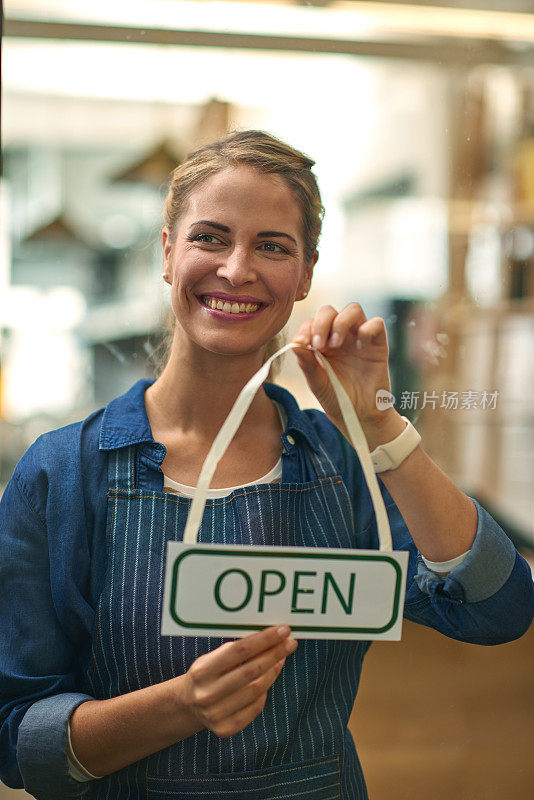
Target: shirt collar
125,421
297,421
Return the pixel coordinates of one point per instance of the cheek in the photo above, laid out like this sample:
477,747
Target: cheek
289,287
191,268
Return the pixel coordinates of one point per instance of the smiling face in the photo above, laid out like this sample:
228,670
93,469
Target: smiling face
236,262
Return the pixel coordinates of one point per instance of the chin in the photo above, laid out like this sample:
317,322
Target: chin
235,349
228,343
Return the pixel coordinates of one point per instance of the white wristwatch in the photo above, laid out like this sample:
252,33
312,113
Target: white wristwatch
391,454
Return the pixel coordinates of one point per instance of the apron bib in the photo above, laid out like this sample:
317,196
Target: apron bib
299,746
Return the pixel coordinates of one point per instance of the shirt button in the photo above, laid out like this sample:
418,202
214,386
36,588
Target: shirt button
290,439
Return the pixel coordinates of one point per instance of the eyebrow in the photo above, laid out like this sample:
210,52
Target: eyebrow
216,225
226,229
277,233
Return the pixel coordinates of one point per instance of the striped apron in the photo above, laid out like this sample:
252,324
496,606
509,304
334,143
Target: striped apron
299,746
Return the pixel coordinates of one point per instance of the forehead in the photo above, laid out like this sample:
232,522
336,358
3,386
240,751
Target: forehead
244,196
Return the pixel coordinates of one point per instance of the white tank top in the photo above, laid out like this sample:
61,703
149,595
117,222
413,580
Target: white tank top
273,476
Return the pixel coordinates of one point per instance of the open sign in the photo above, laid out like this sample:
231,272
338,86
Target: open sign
321,593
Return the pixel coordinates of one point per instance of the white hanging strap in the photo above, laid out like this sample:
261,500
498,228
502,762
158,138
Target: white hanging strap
233,421
359,442
221,442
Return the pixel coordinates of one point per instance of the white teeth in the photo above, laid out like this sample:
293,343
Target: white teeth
230,308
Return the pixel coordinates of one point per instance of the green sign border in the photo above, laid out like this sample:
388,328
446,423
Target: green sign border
285,554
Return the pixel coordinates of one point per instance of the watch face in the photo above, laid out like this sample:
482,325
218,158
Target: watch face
390,455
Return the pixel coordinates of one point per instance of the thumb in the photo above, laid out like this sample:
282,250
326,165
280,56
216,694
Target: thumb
313,370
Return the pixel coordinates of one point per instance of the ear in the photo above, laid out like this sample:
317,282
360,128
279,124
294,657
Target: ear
305,284
167,249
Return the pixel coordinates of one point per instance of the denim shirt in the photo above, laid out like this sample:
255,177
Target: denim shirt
53,561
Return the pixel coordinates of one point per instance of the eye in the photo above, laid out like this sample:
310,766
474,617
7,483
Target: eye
206,238
272,247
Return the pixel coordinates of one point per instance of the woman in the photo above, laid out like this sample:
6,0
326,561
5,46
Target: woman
93,699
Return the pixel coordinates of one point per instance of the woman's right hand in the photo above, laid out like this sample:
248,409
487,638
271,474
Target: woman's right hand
223,690
227,688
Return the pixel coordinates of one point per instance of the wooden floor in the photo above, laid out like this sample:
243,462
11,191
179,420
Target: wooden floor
440,719
443,720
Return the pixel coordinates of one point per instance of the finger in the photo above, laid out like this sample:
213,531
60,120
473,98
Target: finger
239,720
303,335
373,332
253,670
246,704
313,371
321,326
347,321
231,654
245,695
306,358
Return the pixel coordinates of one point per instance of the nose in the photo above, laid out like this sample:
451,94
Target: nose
237,267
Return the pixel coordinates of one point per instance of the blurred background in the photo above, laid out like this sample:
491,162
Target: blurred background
421,122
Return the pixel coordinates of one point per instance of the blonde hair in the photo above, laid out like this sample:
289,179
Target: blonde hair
269,156
263,152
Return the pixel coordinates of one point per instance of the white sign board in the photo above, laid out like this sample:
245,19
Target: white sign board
321,593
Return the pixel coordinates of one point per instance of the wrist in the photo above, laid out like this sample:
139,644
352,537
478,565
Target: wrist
383,429
391,454
178,692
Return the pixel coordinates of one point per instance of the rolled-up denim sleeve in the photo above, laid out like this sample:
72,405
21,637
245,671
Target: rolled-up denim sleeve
484,570
42,747
38,685
487,599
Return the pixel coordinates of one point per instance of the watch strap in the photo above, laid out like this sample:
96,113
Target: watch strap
391,454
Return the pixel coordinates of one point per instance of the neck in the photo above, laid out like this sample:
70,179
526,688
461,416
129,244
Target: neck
197,389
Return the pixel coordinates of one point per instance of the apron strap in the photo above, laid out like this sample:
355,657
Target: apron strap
121,469
233,421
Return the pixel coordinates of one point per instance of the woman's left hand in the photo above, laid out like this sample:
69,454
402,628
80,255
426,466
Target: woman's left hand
357,350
